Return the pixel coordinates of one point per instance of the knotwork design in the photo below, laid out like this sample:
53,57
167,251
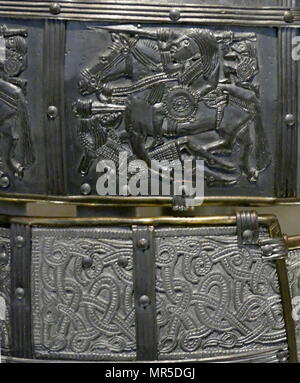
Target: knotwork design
293,267
83,297
213,297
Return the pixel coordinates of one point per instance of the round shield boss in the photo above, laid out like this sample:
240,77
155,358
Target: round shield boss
12,66
180,104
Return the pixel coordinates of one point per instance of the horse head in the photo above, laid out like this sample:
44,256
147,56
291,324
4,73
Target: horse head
108,67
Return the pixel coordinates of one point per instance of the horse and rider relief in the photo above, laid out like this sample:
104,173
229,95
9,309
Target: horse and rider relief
16,143
172,94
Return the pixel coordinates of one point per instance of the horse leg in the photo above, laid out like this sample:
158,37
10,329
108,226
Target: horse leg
217,146
248,160
137,134
199,152
14,164
158,117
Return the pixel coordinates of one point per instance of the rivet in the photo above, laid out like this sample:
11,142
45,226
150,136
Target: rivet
175,14
144,301
122,261
290,119
55,8
3,258
85,189
20,293
288,16
267,250
19,241
283,356
52,112
87,262
143,243
4,181
247,235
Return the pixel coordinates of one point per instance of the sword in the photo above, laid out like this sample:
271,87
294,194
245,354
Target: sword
88,108
130,29
137,30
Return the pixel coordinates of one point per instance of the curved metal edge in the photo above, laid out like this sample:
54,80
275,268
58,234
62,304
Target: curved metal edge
154,12
108,201
275,232
257,356
263,220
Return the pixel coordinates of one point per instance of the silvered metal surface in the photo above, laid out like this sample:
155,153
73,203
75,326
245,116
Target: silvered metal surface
215,300
82,294
163,88
20,304
254,12
170,94
5,267
144,287
293,266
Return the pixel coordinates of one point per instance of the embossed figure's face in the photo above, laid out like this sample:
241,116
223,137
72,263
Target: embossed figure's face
183,48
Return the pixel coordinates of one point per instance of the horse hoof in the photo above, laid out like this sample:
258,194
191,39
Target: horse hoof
19,173
253,177
155,143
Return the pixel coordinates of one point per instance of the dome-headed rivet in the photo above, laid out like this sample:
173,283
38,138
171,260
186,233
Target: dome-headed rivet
267,250
4,180
247,235
52,112
144,301
175,14
3,258
55,8
20,293
288,16
143,243
85,189
19,241
87,262
290,119
283,356
122,261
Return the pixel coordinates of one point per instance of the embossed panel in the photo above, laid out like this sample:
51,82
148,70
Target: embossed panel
169,93
215,81
293,266
21,111
215,299
82,294
5,329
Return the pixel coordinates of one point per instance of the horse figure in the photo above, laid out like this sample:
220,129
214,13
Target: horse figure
179,79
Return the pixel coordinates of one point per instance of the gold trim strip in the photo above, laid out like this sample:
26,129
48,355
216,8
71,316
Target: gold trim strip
275,232
130,201
264,220
293,242
269,221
